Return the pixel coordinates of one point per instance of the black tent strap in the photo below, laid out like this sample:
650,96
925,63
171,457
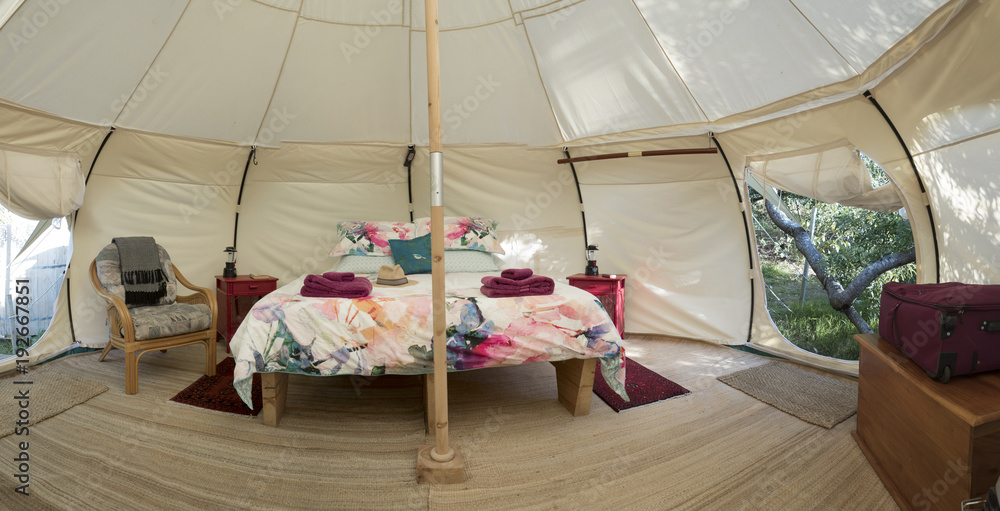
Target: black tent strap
239,199
746,230
408,162
96,156
923,191
579,195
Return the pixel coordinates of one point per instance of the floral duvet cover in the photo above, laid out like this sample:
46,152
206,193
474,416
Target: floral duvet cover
390,332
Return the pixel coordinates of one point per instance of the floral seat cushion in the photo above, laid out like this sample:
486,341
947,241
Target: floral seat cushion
155,321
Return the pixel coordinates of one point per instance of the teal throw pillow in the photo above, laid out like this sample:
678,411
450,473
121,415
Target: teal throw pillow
414,256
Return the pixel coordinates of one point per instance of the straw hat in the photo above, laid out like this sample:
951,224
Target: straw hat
392,276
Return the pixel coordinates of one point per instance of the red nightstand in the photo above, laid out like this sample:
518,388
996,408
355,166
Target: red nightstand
610,290
235,296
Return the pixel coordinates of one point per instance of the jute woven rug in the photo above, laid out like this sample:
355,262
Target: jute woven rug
351,443
48,392
814,398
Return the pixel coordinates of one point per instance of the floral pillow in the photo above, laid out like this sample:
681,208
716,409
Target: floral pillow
358,237
465,232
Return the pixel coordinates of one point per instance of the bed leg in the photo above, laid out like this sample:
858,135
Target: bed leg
429,419
275,386
575,378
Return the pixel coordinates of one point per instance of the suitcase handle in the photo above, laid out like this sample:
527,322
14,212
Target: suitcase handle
990,326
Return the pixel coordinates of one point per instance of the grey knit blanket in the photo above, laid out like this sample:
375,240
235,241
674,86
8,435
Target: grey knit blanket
142,275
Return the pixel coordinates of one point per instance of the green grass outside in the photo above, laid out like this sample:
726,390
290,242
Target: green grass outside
813,326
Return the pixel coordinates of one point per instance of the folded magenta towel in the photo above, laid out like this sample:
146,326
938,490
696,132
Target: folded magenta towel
317,286
516,273
333,275
495,287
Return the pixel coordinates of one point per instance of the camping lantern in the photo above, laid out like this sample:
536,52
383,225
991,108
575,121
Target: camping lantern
591,261
230,270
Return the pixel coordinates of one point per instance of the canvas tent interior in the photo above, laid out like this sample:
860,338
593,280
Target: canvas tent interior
331,94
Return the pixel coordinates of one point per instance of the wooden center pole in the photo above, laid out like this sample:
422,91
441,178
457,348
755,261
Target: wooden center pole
442,451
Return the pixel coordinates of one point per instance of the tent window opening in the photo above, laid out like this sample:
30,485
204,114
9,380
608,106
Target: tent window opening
34,256
823,198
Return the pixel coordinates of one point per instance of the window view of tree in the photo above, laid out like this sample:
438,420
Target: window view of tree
851,253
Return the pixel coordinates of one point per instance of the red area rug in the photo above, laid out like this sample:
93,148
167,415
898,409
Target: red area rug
642,385
217,392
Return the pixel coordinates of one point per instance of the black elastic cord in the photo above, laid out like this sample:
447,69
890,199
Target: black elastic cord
99,149
579,195
408,162
913,165
746,229
239,199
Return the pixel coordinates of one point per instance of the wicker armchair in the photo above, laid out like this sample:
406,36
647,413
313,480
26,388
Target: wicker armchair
176,321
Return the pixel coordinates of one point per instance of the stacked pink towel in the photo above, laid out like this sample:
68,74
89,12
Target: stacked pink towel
499,287
336,285
516,273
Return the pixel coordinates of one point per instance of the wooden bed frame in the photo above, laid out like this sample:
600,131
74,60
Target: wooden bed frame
574,377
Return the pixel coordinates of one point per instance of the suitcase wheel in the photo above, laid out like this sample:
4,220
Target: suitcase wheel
943,375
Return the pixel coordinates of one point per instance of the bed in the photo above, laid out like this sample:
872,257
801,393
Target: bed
390,332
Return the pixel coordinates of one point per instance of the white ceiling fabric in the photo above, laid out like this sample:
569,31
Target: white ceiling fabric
265,72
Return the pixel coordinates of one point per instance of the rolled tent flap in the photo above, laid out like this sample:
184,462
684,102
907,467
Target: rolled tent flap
829,173
39,184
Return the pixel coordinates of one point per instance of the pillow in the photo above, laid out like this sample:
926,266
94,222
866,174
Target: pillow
469,261
363,264
358,237
465,232
414,256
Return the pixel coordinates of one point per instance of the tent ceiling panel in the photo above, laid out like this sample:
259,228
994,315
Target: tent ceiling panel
337,86
460,15
215,76
862,30
288,5
604,73
83,70
356,12
494,94
706,42
959,96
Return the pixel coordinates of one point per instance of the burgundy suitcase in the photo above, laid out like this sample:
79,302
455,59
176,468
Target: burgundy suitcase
947,329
